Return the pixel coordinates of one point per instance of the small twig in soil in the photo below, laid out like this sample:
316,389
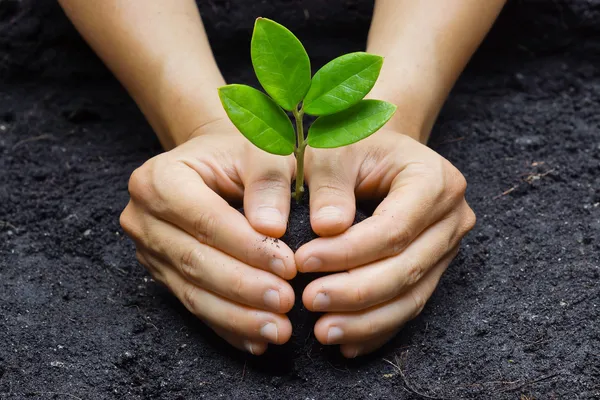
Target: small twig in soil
244,370
508,191
529,178
529,383
533,177
34,139
8,224
407,384
152,325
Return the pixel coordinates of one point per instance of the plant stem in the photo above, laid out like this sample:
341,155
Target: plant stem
299,153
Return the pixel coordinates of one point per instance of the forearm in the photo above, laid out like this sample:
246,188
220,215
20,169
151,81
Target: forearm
426,45
159,51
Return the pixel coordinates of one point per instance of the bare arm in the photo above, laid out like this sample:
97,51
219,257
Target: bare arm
186,234
160,53
426,45
393,260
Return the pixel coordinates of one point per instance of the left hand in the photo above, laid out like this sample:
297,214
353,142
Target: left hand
393,260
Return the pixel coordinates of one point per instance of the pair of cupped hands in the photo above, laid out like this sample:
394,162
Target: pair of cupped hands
219,265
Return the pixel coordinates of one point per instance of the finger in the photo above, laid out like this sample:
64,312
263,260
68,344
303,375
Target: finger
156,268
331,182
415,201
216,271
144,258
183,199
353,350
372,284
220,313
255,348
267,194
369,324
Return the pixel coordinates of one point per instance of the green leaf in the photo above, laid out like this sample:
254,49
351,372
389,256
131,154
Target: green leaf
341,83
351,125
259,119
280,63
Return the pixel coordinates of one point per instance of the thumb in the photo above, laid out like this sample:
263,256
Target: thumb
332,200
267,194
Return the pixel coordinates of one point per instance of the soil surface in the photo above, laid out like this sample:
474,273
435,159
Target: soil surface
517,315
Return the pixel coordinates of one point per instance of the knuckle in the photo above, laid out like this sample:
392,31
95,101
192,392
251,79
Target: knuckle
456,182
454,251
126,221
233,322
270,182
419,302
157,274
191,265
335,184
398,238
372,327
433,176
238,284
360,296
470,219
331,189
141,259
140,183
189,298
413,272
349,254
205,225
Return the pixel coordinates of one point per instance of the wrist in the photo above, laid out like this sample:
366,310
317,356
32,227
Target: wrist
188,106
182,98
418,103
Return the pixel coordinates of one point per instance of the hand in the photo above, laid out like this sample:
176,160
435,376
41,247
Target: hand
221,267
393,260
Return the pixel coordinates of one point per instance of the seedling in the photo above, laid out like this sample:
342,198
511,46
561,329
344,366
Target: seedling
335,95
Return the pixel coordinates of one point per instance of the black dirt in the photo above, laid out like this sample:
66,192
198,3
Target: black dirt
284,359
515,317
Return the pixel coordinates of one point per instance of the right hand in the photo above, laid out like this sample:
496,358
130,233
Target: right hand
225,268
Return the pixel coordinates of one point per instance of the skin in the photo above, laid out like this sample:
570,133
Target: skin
220,264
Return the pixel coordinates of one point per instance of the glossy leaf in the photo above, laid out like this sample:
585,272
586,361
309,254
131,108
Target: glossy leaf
280,63
350,125
342,83
258,118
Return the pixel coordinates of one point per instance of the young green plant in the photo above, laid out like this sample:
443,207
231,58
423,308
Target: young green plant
335,95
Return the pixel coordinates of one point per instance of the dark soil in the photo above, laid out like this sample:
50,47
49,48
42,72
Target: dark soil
516,316
283,358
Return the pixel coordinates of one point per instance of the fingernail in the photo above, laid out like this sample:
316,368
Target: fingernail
356,351
321,302
334,334
312,264
277,266
269,332
332,213
271,299
270,214
248,346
